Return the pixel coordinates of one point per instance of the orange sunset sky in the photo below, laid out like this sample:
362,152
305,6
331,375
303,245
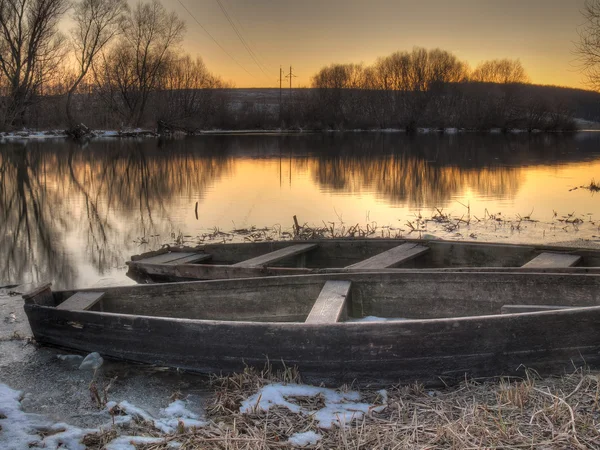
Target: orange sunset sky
309,34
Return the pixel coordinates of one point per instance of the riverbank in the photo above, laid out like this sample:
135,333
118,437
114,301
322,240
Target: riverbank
45,400
38,135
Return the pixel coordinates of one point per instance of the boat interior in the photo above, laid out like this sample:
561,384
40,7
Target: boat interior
335,298
375,254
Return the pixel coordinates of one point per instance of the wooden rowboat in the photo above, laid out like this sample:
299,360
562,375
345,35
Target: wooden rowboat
448,325
221,261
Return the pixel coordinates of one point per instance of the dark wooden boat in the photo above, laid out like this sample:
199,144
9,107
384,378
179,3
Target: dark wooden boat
448,325
220,261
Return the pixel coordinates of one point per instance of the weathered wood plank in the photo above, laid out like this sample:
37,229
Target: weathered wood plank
391,257
167,258
277,255
195,258
405,351
146,255
551,260
331,305
81,301
516,309
39,295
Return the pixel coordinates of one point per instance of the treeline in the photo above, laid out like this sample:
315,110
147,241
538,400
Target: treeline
117,66
433,88
123,67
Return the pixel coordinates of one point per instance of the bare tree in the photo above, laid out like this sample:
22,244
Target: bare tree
136,63
186,92
503,71
338,90
96,23
30,48
588,47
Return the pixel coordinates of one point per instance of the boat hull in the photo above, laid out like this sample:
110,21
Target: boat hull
431,351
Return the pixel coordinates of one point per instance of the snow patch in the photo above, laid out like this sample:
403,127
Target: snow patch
304,439
23,431
173,416
340,409
130,442
30,134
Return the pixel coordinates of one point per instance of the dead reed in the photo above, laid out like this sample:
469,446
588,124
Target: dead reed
532,412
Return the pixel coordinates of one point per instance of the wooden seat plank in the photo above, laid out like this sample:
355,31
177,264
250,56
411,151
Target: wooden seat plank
392,257
277,255
194,258
81,301
515,309
169,258
330,306
548,260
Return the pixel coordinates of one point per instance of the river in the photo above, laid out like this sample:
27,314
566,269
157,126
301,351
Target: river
73,213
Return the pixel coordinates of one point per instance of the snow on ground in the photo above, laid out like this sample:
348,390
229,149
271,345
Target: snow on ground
304,439
31,134
340,409
28,135
173,416
22,431
131,442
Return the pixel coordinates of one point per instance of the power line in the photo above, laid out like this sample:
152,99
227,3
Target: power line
248,38
241,38
214,40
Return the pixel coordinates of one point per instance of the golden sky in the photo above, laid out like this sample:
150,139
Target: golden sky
309,34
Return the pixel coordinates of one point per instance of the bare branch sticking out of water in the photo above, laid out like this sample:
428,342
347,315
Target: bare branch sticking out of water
592,187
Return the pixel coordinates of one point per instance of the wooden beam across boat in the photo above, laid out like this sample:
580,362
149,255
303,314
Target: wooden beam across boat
174,258
548,260
277,255
392,257
331,305
81,301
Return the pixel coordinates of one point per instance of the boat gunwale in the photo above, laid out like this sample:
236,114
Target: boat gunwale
331,275
200,247
383,323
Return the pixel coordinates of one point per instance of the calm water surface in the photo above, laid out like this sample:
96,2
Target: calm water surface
74,214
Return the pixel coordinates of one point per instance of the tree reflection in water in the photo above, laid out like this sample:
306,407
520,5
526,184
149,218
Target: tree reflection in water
64,206
55,196
429,170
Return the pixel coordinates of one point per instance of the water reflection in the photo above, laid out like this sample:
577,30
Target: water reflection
64,207
31,234
58,196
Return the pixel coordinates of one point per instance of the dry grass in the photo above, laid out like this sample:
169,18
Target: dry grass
594,186
532,413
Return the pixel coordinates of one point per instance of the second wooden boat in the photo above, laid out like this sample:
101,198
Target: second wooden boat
221,261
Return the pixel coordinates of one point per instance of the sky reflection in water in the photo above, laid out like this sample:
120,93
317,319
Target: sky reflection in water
74,214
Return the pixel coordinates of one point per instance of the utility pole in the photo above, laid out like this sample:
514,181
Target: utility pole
290,76
280,79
